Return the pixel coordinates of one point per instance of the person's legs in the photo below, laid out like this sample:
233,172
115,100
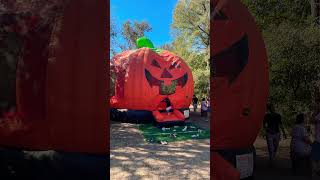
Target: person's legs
315,156
195,107
316,169
276,140
270,145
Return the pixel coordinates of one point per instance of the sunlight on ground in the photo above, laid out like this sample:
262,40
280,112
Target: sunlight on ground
133,158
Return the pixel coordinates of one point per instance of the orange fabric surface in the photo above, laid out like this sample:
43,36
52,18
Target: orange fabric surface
133,89
62,92
221,169
240,86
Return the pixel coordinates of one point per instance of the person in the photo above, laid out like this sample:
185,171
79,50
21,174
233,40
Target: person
315,151
204,107
209,106
272,124
300,147
195,103
168,105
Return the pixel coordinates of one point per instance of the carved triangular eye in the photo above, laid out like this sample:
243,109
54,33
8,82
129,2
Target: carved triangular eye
155,63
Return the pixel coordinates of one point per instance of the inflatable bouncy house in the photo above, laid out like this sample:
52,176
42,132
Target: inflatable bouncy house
154,80
239,87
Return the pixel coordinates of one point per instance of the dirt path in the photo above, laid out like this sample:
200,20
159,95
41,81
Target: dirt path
132,158
282,167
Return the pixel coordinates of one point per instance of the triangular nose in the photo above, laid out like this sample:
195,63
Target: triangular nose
166,74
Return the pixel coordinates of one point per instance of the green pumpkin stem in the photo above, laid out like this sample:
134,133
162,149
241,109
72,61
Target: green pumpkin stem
145,42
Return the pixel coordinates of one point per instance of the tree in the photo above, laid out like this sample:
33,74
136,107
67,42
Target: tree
113,37
191,29
167,46
132,31
191,18
268,12
292,39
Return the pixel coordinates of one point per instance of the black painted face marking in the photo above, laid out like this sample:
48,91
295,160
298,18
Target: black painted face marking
155,64
163,90
220,16
230,62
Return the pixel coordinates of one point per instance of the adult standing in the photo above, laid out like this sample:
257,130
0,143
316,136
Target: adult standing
195,103
272,124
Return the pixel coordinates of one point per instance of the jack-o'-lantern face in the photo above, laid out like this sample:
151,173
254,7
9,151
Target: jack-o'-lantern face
166,75
231,47
240,81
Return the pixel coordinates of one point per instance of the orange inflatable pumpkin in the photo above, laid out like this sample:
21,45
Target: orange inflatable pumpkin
61,84
239,86
240,82
147,76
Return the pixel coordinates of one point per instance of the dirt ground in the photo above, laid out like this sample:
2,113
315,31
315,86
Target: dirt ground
282,165
132,158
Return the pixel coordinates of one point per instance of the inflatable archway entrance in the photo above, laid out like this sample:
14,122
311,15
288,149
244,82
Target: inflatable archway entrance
62,92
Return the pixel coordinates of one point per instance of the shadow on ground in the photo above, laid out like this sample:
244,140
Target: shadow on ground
51,165
132,158
282,165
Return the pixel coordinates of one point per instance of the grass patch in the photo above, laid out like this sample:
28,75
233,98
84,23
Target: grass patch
154,134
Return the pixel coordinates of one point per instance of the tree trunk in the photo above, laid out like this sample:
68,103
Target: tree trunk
315,10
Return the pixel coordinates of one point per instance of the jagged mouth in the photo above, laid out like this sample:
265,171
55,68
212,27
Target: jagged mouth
166,89
230,62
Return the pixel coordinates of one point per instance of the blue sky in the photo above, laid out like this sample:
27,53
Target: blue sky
157,13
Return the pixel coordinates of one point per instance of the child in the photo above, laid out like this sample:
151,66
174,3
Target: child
168,105
315,152
209,107
204,107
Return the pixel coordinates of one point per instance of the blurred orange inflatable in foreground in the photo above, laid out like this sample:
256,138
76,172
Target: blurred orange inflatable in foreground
61,83
240,83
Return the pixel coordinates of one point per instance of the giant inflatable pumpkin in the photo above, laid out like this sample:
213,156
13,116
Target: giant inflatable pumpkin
240,84
146,76
61,84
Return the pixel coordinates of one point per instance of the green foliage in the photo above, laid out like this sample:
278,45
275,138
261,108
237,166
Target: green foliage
191,19
113,37
191,29
132,31
274,12
293,41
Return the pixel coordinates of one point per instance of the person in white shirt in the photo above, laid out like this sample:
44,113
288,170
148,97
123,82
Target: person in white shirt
300,145
315,152
204,108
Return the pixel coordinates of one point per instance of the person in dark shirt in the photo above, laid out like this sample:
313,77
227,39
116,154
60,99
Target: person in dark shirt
195,103
272,124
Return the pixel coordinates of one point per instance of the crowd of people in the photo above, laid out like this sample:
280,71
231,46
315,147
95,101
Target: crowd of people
304,148
204,105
